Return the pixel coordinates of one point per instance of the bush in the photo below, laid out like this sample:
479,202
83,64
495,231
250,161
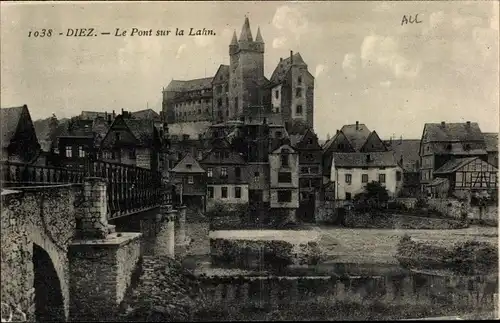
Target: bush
473,257
465,258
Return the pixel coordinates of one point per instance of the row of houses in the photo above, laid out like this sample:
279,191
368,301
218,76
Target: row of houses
257,161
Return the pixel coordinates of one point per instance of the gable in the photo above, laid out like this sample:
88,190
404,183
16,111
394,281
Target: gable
119,127
339,143
308,141
222,75
373,143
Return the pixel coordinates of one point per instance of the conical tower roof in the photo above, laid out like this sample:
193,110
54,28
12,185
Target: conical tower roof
234,41
259,39
246,33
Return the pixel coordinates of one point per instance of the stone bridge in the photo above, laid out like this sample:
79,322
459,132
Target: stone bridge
63,260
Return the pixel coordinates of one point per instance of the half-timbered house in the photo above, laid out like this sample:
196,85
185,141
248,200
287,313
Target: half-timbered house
465,176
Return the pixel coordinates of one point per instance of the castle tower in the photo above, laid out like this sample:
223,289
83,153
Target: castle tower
246,70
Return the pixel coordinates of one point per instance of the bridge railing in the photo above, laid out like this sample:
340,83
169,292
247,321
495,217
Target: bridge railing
129,188
15,174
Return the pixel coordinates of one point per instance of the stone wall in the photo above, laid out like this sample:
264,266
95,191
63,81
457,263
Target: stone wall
453,208
414,289
41,216
101,272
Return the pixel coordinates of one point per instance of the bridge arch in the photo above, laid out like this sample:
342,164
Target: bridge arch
49,304
50,268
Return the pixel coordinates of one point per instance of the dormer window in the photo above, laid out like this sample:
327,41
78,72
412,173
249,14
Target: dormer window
189,166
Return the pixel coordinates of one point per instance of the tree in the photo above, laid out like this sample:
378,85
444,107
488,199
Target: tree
375,196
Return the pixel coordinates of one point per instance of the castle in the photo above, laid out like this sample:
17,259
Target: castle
240,87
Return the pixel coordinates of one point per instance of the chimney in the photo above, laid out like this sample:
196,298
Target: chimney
468,124
291,57
122,111
401,139
281,59
109,119
368,159
357,125
337,131
443,124
114,115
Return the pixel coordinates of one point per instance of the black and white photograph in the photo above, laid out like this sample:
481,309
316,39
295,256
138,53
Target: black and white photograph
192,161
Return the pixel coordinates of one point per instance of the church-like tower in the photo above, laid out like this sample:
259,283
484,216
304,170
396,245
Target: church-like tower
246,70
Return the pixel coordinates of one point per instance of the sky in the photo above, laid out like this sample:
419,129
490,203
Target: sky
368,67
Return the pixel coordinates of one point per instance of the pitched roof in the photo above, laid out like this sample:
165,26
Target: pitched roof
438,181
9,118
188,164
452,132
284,65
491,139
355,160
190,85
407,150
454,164
295,139
222,70
142,129
145,114
356,134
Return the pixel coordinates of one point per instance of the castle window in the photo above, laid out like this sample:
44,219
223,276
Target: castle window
277,110
298,109
210,192
278,134
227,102
81,152
227,113
223,172
277,94
299,80
298,92
199,111
206,101
190,180
364,178
236,104
219,103
237,192
224,192
199,101
69,151
381,178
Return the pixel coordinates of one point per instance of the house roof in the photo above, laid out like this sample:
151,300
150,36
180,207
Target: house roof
407,151
438,181
491,139
9,118
454,164
188,164
190,85
142,129
452,132
355,160
356,134
145,114
223,70
281,70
